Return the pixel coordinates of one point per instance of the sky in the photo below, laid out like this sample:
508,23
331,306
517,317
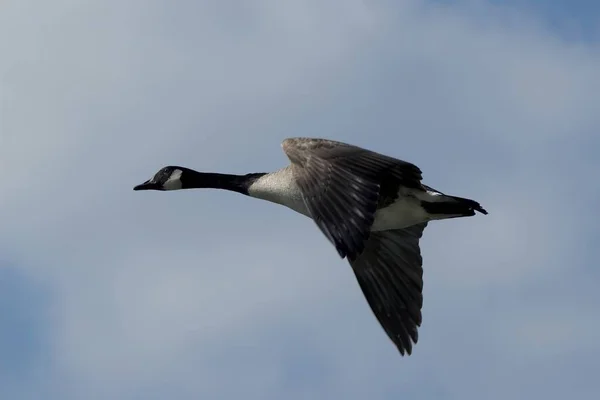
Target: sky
107,293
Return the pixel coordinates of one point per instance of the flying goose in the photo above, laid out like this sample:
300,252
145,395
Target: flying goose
372,208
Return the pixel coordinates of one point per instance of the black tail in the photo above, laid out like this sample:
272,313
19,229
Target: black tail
452,205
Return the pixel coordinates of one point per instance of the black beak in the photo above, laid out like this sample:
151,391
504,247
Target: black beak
146,186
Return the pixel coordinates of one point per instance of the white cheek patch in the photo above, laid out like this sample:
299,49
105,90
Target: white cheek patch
174,181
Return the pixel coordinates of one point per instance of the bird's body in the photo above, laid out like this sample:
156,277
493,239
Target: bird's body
280,187
373,208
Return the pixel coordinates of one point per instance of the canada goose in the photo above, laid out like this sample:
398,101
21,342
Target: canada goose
372,208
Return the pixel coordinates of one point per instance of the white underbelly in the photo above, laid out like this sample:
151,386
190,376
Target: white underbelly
405,212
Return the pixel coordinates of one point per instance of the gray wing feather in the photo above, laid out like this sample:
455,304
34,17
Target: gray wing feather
390,275
341,185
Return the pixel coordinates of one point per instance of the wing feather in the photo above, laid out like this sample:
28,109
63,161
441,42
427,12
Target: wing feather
341,186
390,275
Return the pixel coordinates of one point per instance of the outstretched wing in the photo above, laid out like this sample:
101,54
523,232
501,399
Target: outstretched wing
390,275
341,186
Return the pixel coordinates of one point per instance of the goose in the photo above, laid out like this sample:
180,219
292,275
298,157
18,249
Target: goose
373,208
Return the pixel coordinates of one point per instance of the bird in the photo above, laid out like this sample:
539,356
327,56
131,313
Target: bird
373,209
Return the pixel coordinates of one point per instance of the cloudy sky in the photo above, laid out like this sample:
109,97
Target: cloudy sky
106,293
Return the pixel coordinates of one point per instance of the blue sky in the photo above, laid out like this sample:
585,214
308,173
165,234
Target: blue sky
560,15
109,293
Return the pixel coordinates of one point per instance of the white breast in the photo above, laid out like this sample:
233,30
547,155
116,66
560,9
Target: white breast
279,187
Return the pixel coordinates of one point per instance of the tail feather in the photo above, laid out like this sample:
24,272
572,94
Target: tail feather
453,205
470,203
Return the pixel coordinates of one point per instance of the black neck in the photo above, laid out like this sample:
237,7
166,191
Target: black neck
208,180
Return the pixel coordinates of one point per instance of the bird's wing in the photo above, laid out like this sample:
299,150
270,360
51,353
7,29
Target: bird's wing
390,275
341,186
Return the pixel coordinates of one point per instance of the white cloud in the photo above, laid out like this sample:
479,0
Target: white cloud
206,293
